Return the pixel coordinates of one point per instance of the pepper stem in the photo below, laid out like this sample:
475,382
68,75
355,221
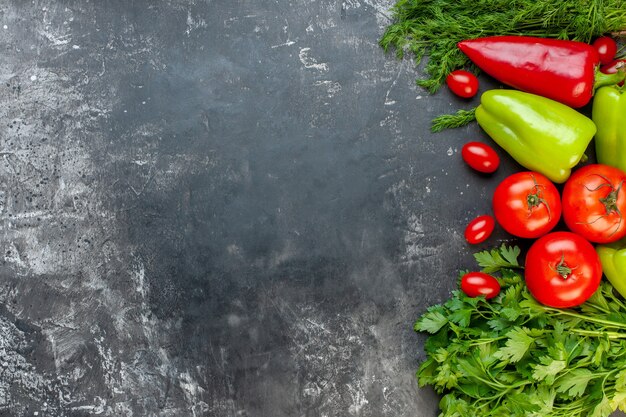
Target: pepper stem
602,79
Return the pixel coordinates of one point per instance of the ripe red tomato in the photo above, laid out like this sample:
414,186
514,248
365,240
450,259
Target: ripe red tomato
480,156
462,83
474,284
527,204
613,66
606,47
594,203
479,229
562,270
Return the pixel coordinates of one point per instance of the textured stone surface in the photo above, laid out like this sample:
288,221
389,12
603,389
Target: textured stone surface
220,208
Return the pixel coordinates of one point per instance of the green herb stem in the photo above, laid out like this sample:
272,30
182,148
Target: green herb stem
586,318
478,342
610,335
619,302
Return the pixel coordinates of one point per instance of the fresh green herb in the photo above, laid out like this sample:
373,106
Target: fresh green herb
511,356
452,121
496,259
434,27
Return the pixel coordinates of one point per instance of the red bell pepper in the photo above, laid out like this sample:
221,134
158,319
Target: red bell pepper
565,71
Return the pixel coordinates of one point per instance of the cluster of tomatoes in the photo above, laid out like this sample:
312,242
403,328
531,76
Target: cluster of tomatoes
562,269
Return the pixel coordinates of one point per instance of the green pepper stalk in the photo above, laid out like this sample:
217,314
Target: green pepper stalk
540,134
609,114
613,259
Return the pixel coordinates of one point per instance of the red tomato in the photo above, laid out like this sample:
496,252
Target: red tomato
475,284
594,203
606,47
562,270
527,204
613,66
479,229
480,156
462,83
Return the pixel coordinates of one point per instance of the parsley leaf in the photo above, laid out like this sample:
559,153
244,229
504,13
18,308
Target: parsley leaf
446,376
461,317
619,401
496,259
521,404
431,322
620,380
602,409
549,369
575,382
516,346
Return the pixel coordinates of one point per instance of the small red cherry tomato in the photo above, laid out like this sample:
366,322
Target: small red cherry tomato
479,229
606,47
462,83
475,284
613,66
480,156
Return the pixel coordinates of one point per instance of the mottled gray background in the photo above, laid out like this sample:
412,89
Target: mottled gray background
221,208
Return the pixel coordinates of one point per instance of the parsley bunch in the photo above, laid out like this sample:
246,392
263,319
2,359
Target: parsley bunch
511,356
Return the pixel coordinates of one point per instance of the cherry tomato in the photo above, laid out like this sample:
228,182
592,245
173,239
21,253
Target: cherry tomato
480,156
594,203
606,47
562,269
527,204
479,229
613,66
474,284
462,83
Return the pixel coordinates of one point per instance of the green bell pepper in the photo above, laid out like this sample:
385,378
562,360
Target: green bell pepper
540,134
609,114
613,260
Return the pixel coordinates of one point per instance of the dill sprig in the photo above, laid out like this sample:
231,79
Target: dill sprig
433,27
452,121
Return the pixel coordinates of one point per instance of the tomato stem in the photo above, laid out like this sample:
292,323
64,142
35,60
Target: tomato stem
562,269
535,199
609,202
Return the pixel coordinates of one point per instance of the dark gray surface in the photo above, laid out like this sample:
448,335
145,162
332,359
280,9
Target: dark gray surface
221,208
